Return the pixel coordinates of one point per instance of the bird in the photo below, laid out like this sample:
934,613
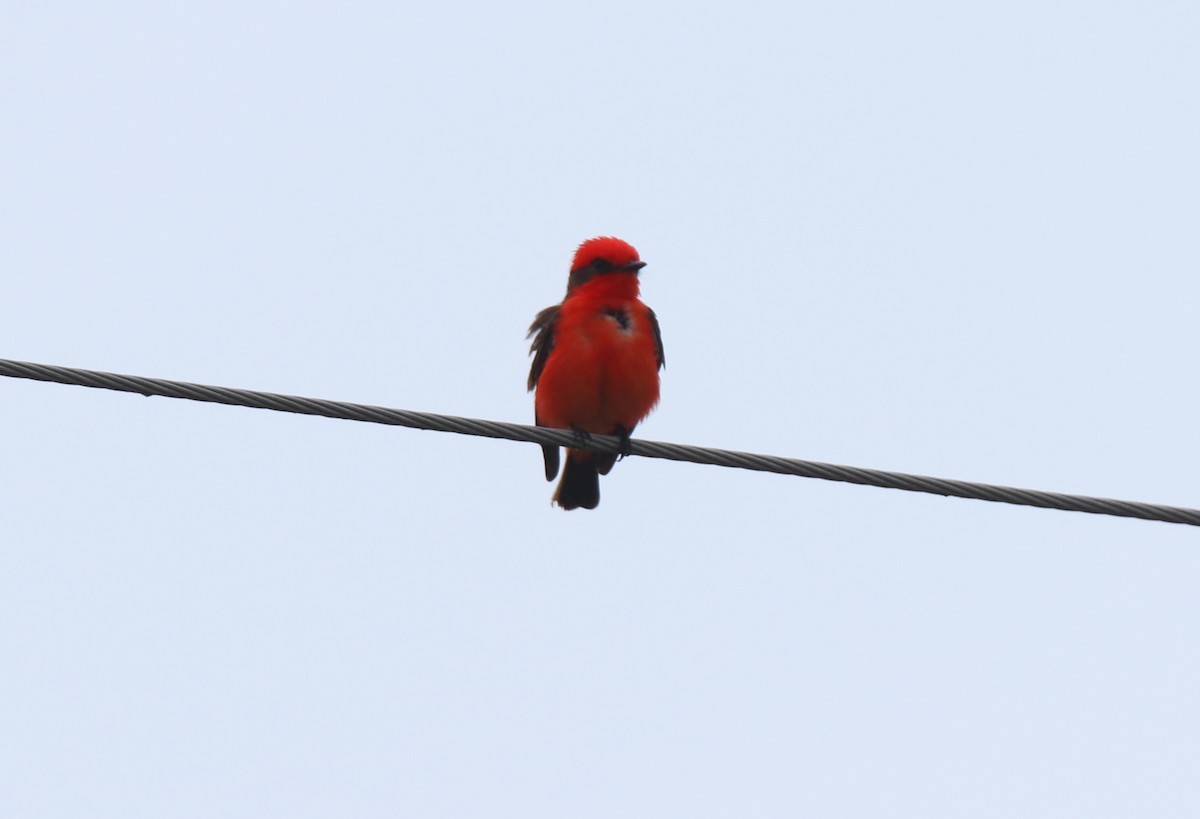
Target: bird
596,362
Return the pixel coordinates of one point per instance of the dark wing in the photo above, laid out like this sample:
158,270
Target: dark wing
542,331
658,348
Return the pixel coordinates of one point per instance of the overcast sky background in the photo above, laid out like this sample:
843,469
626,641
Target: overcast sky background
957,239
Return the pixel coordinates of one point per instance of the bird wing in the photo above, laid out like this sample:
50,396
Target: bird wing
658,345
542,332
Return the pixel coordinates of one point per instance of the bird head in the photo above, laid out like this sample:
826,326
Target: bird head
602,256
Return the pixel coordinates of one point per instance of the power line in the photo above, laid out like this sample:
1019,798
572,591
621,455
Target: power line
603,443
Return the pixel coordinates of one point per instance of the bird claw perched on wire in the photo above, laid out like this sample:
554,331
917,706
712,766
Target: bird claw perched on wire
625,448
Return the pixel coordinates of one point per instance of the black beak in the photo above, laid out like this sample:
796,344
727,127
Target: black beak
633,266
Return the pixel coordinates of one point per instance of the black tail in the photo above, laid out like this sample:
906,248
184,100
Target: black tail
580,484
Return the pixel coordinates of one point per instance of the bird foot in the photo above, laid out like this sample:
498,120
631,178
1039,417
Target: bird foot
625,448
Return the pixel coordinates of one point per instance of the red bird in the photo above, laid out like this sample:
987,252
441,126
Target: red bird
596,359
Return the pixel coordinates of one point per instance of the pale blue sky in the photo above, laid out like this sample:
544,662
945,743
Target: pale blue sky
952,239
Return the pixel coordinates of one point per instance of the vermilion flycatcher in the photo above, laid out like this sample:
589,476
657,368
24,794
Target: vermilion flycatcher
596,359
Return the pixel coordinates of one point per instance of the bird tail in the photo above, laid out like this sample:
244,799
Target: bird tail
580,484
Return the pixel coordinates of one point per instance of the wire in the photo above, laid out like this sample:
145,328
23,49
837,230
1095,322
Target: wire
603,443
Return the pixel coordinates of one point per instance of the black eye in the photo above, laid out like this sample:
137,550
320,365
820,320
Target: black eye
602,265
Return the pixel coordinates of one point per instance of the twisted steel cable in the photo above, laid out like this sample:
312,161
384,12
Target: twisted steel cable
603,443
